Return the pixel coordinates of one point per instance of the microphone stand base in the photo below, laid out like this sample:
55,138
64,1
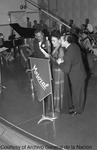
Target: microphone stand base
45,118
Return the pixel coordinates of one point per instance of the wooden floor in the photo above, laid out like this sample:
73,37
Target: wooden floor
21,112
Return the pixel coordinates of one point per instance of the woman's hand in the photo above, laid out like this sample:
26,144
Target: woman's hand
47,55
59,61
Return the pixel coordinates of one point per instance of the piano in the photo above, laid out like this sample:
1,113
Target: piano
25,33
22,31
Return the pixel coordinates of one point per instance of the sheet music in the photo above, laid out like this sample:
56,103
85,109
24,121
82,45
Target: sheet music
43,51
3,49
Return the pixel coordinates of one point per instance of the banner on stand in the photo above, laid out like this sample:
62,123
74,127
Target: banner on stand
41,75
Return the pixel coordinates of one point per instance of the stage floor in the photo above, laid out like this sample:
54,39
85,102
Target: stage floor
21,112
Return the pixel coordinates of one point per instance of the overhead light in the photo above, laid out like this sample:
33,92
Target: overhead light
23,6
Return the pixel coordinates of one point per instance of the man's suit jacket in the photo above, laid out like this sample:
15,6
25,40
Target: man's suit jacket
44,45
73,64
37,52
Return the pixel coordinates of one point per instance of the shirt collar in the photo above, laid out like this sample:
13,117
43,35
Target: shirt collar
67,45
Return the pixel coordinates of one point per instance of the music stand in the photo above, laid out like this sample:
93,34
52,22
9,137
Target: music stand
1,62
44,117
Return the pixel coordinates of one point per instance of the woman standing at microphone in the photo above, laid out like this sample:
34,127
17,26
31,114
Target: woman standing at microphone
61,91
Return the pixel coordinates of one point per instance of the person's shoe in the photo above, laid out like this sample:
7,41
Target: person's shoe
75,113
71,112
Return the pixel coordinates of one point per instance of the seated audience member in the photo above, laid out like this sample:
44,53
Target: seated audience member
88,26
62,26
83,27
42,25
85,42
63,29
28,23
35,26
86,46
73,28
71,23
54,26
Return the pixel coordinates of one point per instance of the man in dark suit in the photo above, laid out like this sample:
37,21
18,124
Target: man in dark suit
73,65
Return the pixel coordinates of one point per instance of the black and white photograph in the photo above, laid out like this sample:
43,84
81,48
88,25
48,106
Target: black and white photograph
48,75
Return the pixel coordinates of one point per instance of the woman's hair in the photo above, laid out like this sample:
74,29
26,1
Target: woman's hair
56,33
